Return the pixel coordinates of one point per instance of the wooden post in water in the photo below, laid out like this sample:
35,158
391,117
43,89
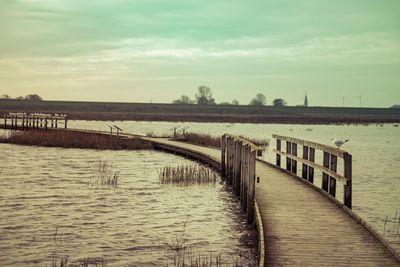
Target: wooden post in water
251,187
246,176
229,160
223,156
347,194
239,169
231,154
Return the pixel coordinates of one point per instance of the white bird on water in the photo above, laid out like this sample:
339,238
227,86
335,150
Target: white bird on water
339,142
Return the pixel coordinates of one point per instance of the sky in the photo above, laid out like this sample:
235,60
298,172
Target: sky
336,52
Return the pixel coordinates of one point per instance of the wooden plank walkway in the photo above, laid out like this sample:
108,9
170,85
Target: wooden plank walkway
301,226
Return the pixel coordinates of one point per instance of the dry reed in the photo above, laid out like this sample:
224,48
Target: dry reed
74,139
215,141
187,175
104,175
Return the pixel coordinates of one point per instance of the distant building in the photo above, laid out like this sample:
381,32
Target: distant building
305,101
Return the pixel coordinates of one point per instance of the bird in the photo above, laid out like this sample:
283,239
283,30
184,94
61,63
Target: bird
339,142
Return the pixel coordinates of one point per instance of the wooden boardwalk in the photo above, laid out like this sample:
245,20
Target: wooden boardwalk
301,226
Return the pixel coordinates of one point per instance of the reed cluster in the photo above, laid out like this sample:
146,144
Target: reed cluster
215,141
202,139
74,139
392,225
262,143
104,175
187,175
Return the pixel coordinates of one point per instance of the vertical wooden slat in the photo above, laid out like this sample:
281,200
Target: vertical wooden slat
251,187
347,194
246,177
65,122
223,155
239,174
288,160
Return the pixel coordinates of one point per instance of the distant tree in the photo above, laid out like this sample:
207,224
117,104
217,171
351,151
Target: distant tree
235,102
5,97
225,103
258,100
204,96
33,97
20,98
279,102
395,106
184,99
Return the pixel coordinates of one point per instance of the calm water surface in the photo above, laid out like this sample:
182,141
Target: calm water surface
375,150
44,189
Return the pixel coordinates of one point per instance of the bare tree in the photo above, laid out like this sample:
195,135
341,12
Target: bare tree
184,99
258,100
279,102
5,97
33,97
235,102
204,96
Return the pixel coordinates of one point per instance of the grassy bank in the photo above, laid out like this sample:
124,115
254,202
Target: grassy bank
71,139
204,113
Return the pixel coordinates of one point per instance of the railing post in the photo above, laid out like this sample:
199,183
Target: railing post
332,181
325,176
278,148
289,152
304,167
65,123
294,162
311,157
223,154
347,194
251,187
5,121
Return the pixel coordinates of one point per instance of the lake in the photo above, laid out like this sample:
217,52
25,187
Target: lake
48,210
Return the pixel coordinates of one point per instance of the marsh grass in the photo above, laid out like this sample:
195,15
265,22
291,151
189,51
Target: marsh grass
187,175
104,175
391,225
184,256
74,139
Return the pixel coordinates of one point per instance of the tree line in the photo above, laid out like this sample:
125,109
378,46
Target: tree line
204,97
31,97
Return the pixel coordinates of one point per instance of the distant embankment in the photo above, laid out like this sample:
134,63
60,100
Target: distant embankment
207,113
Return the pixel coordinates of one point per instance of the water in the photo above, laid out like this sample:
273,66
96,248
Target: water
375,150
48,211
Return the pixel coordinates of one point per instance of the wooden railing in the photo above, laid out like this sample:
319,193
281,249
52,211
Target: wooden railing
238,160
25,121
328,168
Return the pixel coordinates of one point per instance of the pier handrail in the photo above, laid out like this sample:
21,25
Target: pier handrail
328,167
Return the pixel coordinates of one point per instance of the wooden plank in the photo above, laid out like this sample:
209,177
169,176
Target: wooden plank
223,155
